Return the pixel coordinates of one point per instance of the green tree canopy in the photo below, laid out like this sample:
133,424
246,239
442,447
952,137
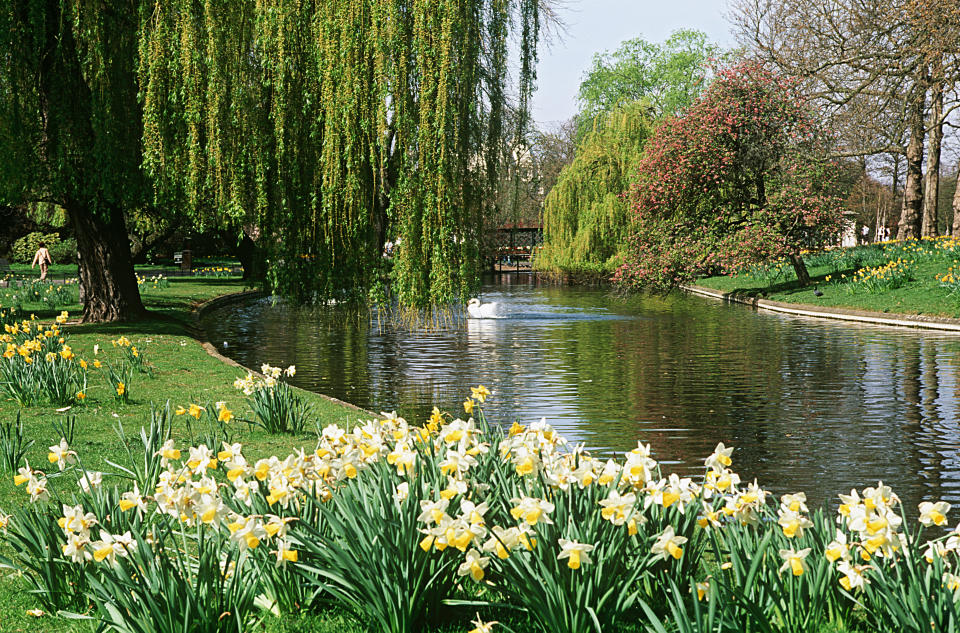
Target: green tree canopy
336,125
669,75
330,125
70,132
585,216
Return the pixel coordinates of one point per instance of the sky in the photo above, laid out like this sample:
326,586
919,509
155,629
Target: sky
594,26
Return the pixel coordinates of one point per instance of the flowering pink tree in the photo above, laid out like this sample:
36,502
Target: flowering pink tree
740,178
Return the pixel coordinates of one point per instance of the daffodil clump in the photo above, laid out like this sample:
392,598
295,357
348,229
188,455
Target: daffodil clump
48,293
275,406
132,355
893,274
38,365
455,509
154,282
10,312
213,271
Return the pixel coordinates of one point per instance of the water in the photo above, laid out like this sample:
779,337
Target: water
813,405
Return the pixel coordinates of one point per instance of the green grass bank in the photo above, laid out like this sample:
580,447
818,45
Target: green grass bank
181,372
916,277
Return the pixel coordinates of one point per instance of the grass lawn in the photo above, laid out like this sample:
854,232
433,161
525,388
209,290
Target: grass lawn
911,287
183,373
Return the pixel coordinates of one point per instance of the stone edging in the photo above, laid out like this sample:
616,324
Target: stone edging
197,311
942,324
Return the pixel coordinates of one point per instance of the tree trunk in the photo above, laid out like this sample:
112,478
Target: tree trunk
800,267
249,256
110,291
956,206
912,210
931,194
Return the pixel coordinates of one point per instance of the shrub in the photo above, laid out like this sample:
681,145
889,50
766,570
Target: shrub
26,247
738,179
64,252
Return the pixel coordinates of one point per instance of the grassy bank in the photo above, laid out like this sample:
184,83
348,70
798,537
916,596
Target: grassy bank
916,277
180,371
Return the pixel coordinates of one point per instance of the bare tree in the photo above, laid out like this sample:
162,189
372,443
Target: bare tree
870,65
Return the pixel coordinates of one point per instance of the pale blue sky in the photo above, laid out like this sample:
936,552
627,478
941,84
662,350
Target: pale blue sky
599,25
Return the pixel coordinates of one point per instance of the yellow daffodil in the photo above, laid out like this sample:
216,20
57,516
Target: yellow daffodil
575,553
479,393
668,544
795,561
934,513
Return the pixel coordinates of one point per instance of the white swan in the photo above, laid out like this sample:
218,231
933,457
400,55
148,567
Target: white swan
478,310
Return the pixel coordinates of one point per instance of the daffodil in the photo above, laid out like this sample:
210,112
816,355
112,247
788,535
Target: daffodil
531,510
479,393
934,513
61,455
225,414
616,508
90,479
703,589
795,561
792,522
720,458
853,575
575,553
838,548
285,555
482,627
668,544
474,564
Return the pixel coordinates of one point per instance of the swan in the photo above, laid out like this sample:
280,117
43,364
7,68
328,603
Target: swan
478,310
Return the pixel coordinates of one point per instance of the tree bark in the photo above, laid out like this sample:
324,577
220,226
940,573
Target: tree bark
250,258
800,267
110,291
910,216
956,206
931,194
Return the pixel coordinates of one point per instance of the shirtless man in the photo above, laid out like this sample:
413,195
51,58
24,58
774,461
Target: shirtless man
43,258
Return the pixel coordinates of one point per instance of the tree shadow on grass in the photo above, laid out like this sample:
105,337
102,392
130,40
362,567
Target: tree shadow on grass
156,322
790,287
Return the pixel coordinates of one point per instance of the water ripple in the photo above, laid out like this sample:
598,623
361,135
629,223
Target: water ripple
810,405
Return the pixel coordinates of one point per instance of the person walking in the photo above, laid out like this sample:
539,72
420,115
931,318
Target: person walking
43,258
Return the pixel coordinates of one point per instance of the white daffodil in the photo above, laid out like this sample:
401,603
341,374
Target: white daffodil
575,553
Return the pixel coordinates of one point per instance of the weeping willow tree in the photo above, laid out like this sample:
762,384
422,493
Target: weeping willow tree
70,130
585,216
334,126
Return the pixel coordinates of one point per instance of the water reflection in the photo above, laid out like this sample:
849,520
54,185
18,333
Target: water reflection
814,405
